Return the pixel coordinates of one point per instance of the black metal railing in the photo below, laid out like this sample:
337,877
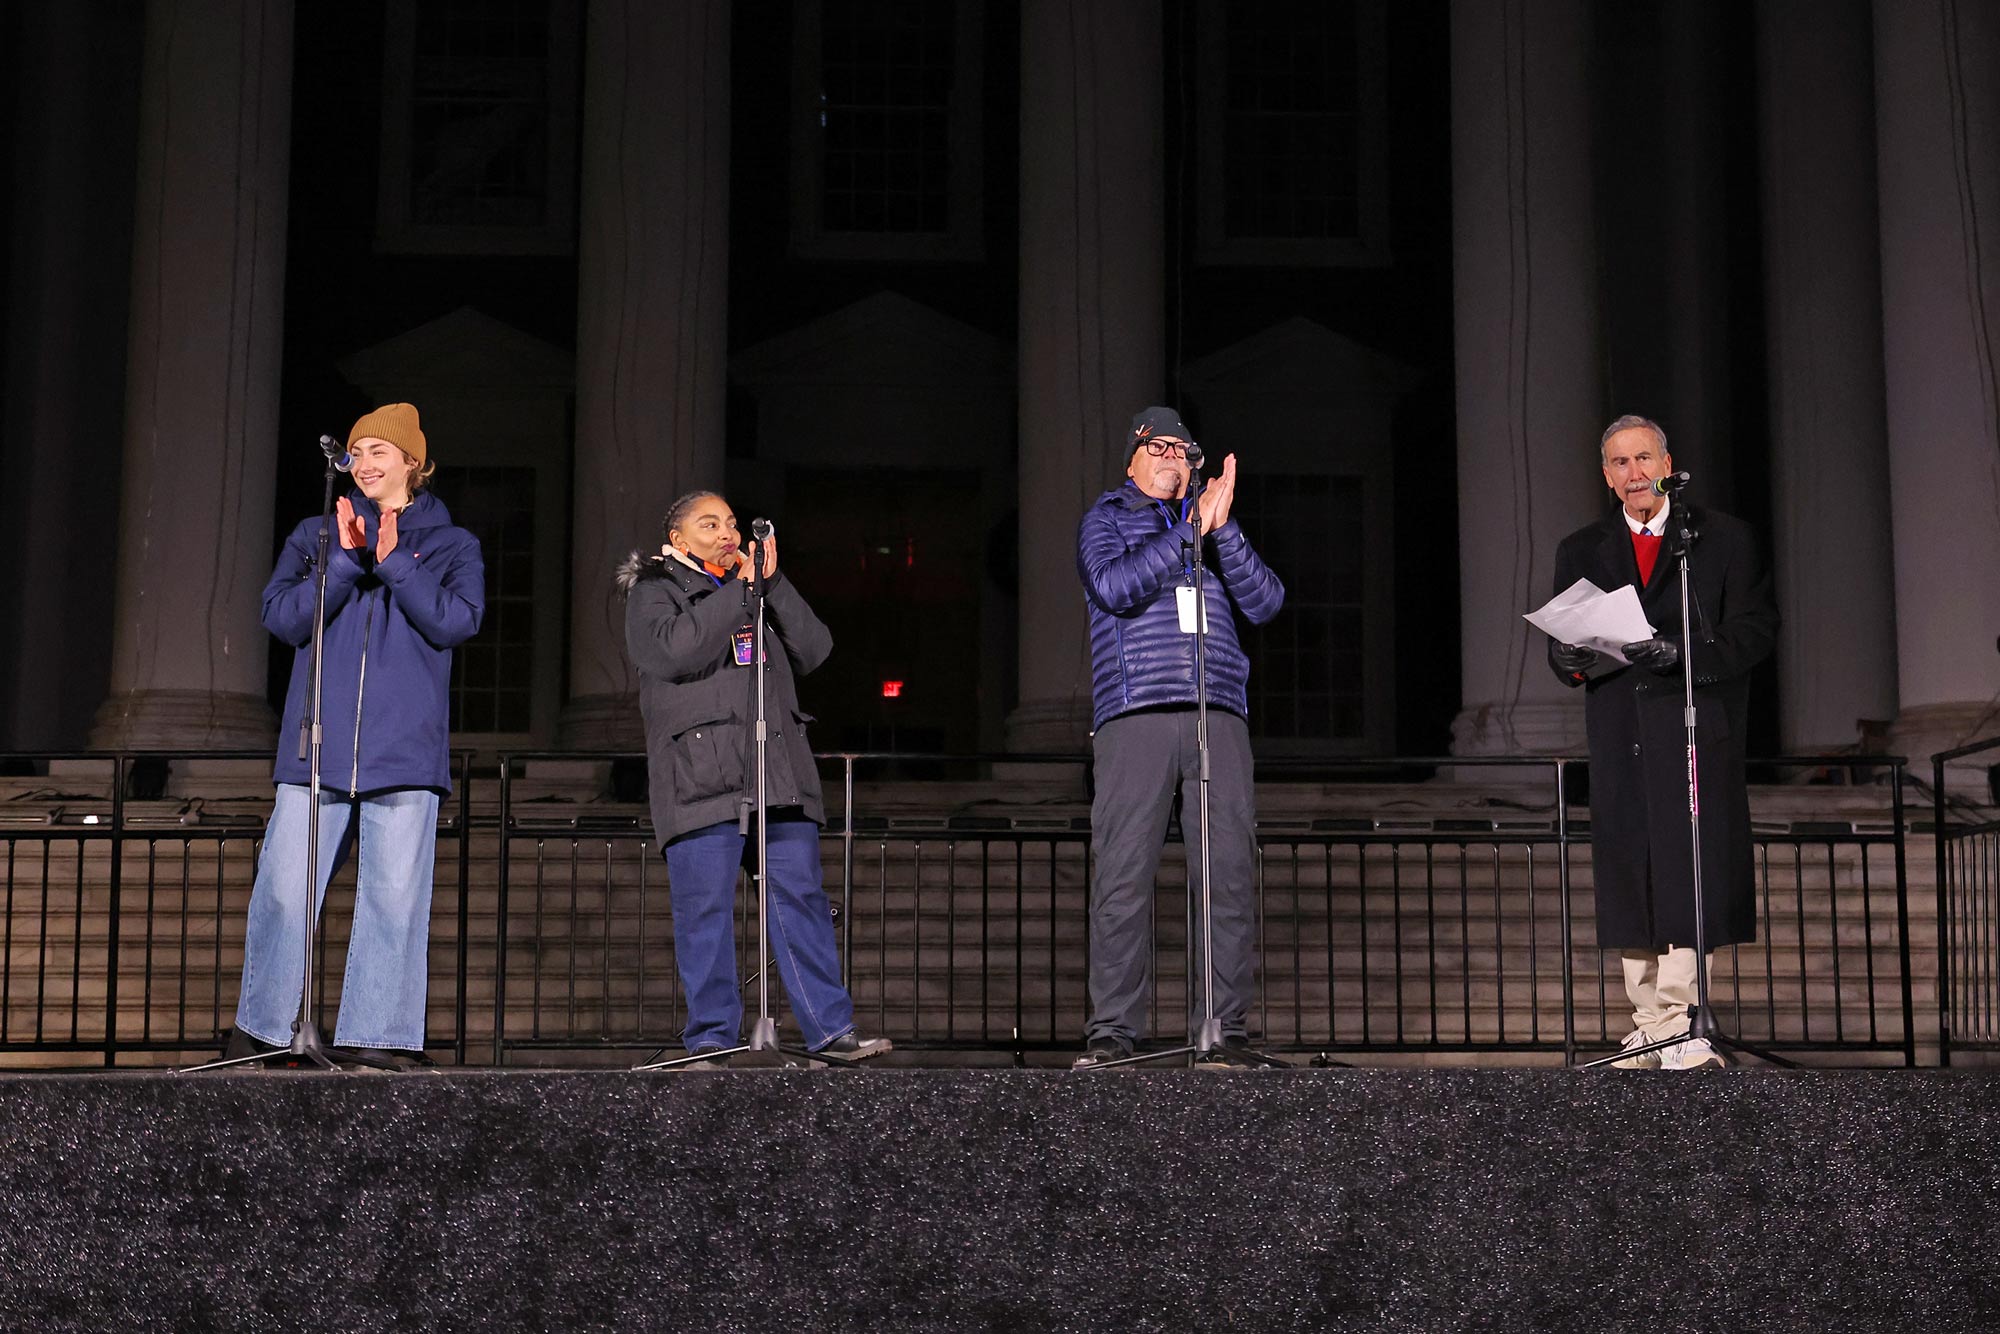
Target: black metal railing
1968,907
970,931
964,927
122,908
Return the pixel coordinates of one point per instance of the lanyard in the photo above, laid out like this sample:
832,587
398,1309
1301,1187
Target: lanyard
1187,566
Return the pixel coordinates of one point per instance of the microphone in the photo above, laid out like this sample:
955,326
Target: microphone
1672,482
1193,455
336,454
762,530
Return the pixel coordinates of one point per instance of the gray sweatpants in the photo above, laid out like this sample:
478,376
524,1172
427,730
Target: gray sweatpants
1140,759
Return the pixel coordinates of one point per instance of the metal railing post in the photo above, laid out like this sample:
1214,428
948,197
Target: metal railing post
500,915
847,872
464,905
1562,895
1944,923
1902,922
112,928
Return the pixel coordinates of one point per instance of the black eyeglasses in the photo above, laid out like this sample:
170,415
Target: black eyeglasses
1160,449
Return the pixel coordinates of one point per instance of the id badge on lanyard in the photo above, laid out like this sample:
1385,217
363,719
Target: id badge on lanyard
1184,594
744,642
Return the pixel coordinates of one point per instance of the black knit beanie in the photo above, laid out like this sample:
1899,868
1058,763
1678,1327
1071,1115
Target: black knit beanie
1155,421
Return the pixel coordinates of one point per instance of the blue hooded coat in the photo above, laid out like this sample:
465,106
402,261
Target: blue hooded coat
385,704
1130,557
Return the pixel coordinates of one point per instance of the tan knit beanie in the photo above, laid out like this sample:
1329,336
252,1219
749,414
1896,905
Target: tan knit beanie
396,423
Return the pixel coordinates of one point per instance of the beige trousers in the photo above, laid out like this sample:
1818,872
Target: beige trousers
1660,987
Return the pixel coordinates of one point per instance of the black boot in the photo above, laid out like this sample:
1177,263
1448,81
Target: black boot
241,1044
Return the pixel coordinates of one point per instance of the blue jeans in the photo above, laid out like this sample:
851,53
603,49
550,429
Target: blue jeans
388,962
701,880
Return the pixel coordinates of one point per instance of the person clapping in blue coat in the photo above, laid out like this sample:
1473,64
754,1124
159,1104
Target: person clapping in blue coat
1136,553
404,587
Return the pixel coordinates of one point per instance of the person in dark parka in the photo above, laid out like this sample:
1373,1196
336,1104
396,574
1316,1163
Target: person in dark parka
687,629
1641,861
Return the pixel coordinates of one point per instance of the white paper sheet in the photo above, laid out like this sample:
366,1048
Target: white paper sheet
1586,615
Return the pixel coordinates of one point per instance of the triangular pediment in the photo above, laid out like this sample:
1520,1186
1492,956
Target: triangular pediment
884,339
1299,356
465,349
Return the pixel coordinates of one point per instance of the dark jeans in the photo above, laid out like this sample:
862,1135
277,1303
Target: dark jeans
1141,759
701,883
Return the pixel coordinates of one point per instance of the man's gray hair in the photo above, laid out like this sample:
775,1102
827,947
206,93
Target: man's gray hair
1626,423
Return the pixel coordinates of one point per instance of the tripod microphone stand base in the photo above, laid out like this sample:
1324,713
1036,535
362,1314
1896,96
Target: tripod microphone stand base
306,1046
1702,1025
763,1038
1207,1048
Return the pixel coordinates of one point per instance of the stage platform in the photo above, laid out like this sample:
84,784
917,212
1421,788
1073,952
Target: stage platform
1001,1200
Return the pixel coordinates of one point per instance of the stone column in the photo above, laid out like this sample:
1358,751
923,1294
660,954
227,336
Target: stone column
652,318
1938,162
1823,319
68,291
1529,403
201,385
1092,328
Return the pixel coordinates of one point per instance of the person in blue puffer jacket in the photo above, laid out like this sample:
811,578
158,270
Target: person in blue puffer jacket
1135,554
404,587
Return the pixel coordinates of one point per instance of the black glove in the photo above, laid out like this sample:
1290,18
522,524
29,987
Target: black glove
1656,654
1573,658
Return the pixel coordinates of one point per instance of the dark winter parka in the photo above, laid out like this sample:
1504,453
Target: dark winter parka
1131,556
385,703
697,703
1640,859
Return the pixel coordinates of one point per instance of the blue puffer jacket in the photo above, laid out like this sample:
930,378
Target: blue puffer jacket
1129,555
385,707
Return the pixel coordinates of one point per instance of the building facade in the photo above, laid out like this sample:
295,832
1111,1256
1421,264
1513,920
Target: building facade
896,275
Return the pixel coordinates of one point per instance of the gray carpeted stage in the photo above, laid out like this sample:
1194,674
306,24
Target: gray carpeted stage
1011,1200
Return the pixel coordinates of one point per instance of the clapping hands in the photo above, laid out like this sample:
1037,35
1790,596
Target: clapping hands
354,531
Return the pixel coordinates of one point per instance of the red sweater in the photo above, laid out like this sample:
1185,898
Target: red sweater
1646,549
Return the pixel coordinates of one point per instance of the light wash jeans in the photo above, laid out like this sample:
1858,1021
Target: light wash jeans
388,963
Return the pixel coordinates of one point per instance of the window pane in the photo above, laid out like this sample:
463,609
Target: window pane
886,78
493,672
1291,119
480,114
1306,663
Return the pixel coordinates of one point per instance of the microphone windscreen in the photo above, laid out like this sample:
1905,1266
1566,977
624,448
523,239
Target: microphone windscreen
1193,454
760,529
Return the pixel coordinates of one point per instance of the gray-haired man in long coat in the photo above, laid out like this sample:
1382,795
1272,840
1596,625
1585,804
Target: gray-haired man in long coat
1641,863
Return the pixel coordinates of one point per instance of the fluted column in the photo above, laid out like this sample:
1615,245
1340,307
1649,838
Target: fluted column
1527,357
68,291
1937,82
1823,321
202,370
1092,321
652,317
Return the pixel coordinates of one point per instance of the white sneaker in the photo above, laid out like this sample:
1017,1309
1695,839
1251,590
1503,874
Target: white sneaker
1692,1054
1644,1061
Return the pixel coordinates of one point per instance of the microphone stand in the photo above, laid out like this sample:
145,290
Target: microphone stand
1701,1016
764,1033
1207,1044
306,1042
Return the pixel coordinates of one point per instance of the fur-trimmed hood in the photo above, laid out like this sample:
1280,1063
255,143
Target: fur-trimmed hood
639,566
